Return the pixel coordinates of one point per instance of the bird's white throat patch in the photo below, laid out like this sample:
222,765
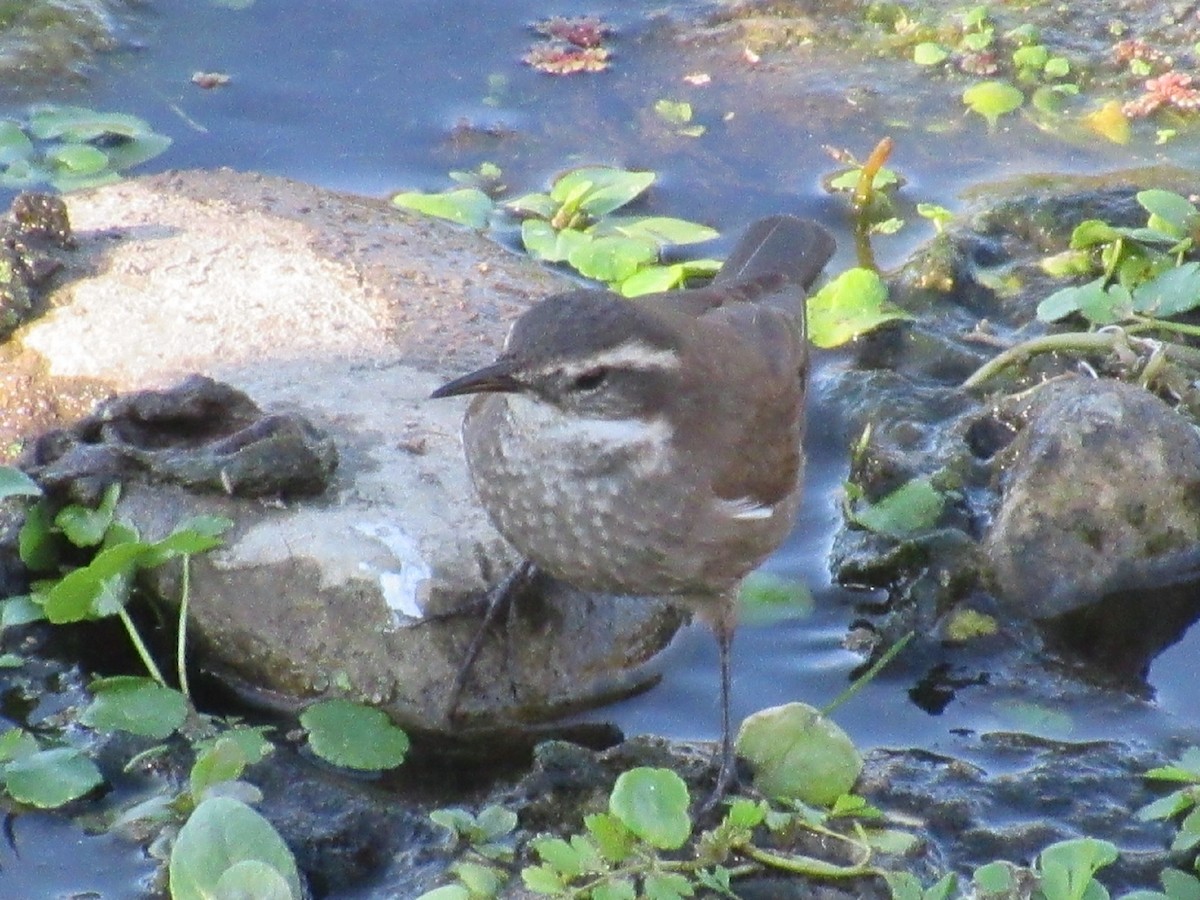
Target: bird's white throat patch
582,436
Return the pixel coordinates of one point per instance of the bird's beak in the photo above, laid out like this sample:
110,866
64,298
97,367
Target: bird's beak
494,379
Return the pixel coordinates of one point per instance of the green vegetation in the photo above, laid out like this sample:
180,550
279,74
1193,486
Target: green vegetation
1144,282
87,561
646,844
573,223
69,147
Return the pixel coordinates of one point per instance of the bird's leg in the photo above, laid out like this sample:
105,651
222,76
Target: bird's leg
499,599
727,773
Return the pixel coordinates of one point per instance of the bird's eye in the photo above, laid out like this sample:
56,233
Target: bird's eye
590,380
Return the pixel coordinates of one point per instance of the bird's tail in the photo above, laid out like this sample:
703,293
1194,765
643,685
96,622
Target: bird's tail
784,245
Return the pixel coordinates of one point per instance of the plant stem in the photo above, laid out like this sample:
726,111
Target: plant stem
808,865
1080,341
140,646
866,676
181,644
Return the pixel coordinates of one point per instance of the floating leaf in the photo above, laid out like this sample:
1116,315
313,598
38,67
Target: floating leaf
1032,56
663,230
653,804
136,705
14,143
930,54
543,242
993,99
353,735
675,112
136,149
49,778
221,833
913,507
598,190
466,206
16,743
75,123
1100,305
798,753
612,259
852,304
77,159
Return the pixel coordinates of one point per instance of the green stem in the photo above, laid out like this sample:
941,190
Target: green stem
1078,341
809,865
181,644
1165,325
140,646
866,676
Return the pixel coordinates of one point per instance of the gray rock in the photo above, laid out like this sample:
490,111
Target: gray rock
1103,477
344,313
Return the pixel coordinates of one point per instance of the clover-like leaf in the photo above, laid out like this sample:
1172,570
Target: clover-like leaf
354,735
136,705
653,804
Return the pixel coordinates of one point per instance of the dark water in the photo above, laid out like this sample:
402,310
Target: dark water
374,97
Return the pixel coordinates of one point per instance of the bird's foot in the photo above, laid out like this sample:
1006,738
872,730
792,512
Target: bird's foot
498,600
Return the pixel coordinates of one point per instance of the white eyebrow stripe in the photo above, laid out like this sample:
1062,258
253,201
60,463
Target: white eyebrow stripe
635,355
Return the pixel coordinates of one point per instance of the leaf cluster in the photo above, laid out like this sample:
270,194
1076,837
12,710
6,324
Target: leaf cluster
573,223
1143,273
70,147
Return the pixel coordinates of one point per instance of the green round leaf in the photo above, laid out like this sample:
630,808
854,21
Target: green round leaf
75,123
929,54
14,143
137,705
612,258
221,833
78,159
797,753
136,149
653,804
466,206
852,304
353,735
50,778
252,879
992,99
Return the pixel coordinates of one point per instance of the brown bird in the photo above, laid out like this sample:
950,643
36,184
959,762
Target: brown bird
653,446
